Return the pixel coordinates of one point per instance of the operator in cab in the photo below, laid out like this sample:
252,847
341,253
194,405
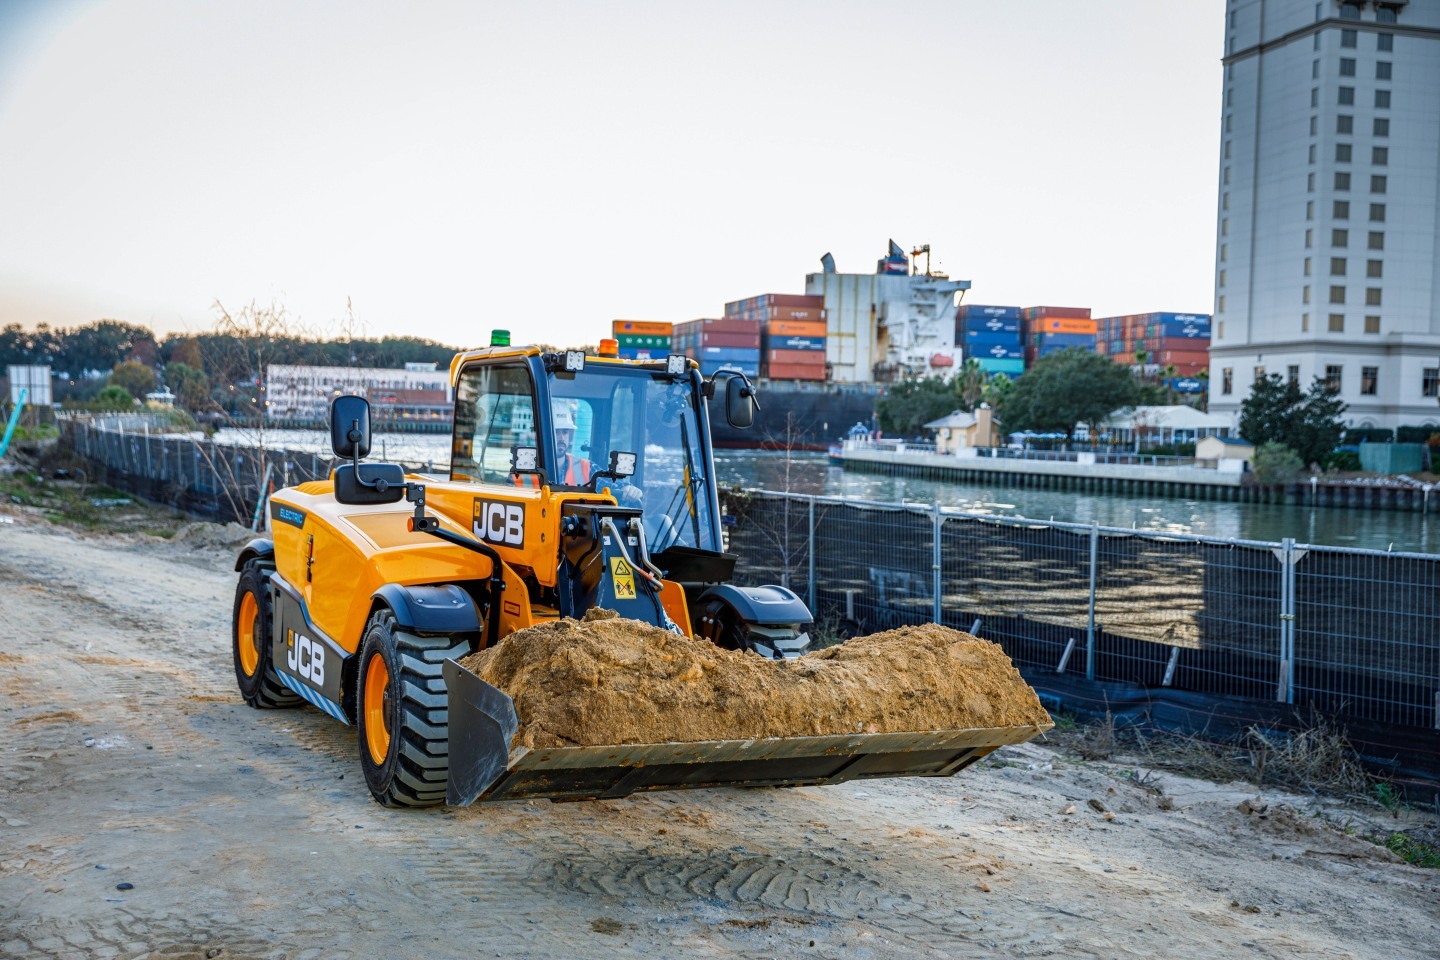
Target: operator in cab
573,470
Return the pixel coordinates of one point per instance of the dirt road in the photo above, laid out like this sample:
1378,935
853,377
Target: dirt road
127,758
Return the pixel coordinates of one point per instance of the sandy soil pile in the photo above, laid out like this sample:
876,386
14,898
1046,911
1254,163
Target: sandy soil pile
605,680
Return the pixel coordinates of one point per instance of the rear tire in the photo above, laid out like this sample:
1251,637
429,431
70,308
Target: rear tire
402,713
251,642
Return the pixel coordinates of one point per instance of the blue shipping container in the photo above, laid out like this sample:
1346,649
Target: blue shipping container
1196,329
642,353
989,325
737,354
1086,340
795,343
986,338
970,311
1186,385
995,351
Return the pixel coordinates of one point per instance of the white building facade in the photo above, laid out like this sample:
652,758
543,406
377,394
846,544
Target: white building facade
1328,239
418,393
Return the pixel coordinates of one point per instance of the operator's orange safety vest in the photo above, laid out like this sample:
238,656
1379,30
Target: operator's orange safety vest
577,472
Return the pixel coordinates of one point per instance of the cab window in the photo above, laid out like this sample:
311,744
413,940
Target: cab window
494,413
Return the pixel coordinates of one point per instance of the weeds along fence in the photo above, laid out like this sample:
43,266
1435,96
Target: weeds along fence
1345,632
212,480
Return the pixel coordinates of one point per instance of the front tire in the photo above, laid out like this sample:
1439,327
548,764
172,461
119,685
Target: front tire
251,642
402,713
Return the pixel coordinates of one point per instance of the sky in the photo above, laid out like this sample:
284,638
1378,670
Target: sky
448,168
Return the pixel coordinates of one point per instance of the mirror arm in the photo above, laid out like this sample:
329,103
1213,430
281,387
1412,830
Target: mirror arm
420,523
709,385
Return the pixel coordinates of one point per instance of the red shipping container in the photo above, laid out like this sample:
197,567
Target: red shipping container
744,340
793,300
727,325
795,371
802,358
795,328
1079,313
1180,356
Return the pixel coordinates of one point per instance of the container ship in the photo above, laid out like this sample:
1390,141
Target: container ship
821,359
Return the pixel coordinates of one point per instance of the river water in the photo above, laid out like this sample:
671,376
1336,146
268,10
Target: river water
811,473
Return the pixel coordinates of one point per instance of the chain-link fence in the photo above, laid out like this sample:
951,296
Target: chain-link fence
217,481
1350,632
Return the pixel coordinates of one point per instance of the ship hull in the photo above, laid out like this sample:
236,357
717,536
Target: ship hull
796,415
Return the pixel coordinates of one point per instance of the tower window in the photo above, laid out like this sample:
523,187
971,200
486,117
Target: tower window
1372,297
1347,66
1349,39
1384,42
1337,294
1347,96
1368,378
1372,324
1342,180
1381,127
1339,238
1340,210
1374,268
1380,156
1382,99
1383,70
1377,184
1377,240
1377,212
1337,266
1344,123
1337,323
1342,152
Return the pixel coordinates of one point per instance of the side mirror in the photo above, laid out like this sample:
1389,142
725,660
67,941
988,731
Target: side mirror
350,427
739,403
368,483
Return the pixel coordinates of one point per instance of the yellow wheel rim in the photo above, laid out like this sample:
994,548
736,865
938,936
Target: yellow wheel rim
377,685
249,649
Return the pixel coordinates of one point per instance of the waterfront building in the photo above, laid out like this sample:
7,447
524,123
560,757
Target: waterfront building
1328,237
419,392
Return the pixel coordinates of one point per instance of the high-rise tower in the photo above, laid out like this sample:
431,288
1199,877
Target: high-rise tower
1328,240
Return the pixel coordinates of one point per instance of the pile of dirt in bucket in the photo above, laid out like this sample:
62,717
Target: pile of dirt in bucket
605,680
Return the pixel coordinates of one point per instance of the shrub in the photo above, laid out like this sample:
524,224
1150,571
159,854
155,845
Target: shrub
1342,460
1276,463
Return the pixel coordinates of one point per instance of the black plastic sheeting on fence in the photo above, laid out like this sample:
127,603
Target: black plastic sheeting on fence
1409,758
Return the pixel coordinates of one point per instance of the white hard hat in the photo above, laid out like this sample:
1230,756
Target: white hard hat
564,417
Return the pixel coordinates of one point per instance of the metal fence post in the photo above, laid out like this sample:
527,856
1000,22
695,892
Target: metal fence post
1090,623
1285,682
810,553
937,522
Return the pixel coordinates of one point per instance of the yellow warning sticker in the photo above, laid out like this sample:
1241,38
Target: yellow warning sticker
623,578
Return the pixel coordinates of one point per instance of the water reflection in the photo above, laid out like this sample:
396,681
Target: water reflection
811,473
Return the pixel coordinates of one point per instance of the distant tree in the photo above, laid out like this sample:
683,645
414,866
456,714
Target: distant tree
969,384
99,345
114,398
910,404
190,386
1277,412
1068,388
136,378
187,351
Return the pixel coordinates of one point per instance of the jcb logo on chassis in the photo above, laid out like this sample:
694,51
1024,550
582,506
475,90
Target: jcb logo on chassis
305,657
499,522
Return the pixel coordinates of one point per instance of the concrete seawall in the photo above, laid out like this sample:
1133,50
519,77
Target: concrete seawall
1189,482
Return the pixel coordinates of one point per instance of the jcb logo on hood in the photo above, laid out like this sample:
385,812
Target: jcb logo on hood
499,522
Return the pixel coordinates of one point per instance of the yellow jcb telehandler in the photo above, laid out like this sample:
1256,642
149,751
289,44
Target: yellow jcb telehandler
575,482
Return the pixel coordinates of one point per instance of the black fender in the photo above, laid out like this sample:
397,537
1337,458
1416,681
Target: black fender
257,549
430,608
762,606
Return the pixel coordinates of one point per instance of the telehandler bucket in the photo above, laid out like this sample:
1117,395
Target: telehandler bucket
483,767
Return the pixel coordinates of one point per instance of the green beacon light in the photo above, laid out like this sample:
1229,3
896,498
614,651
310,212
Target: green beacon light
499,338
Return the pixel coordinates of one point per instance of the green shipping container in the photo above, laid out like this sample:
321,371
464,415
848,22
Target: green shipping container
644,340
